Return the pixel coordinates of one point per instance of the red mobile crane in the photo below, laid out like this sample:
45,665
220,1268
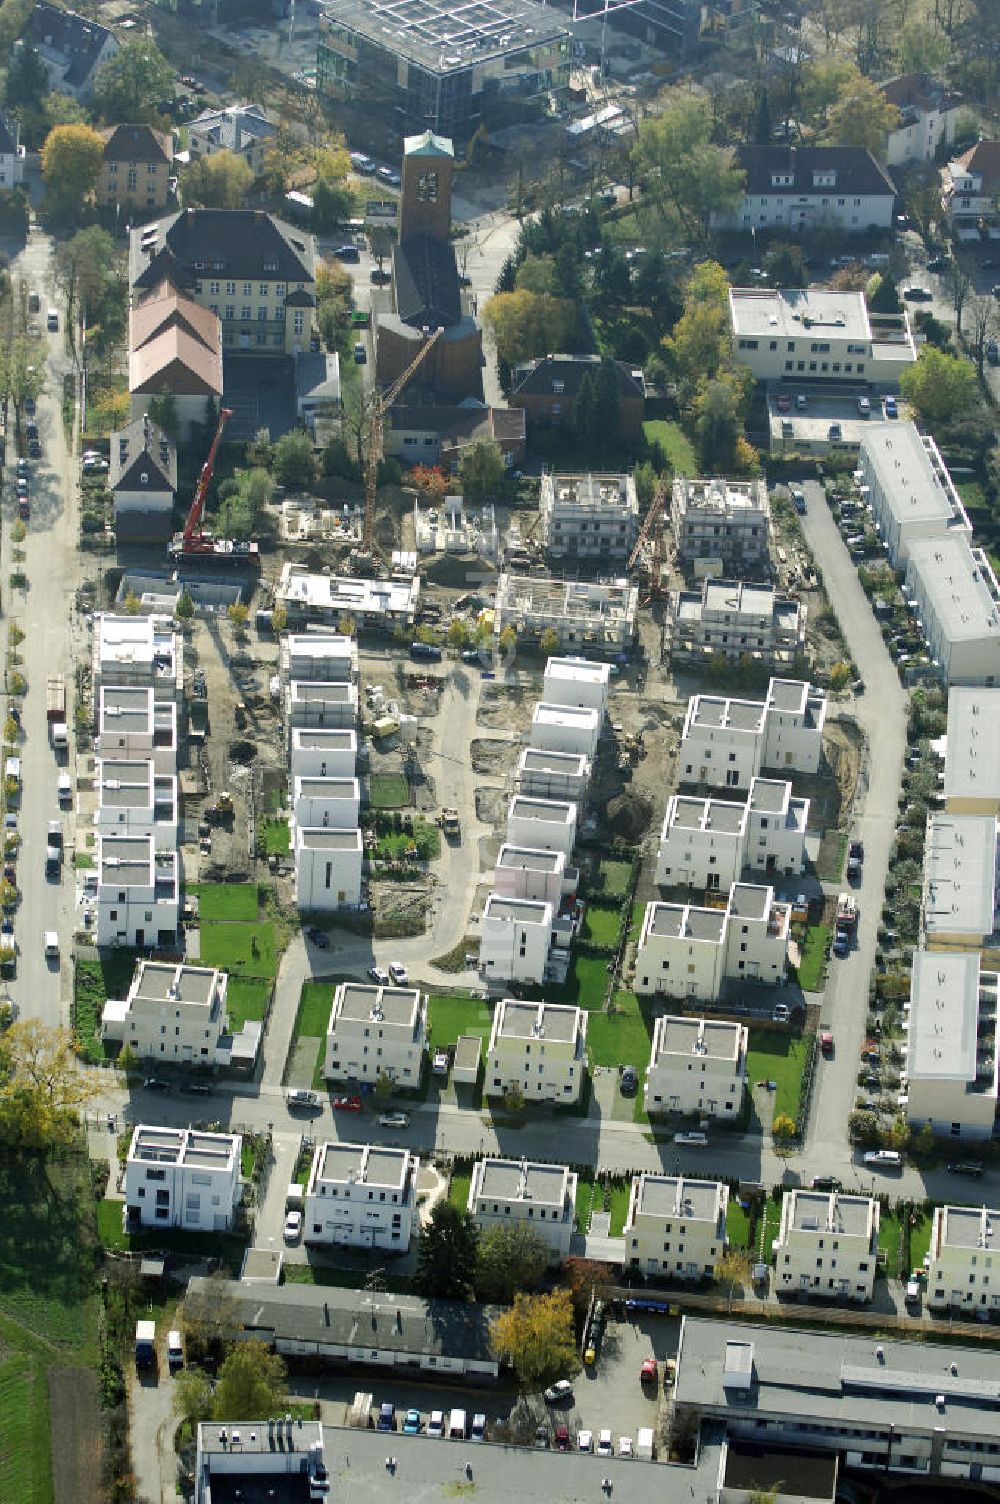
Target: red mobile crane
194,542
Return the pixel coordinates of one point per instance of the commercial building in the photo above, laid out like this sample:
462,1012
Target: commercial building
361,1196
578,683
322,752
143,481
589,518
135,169
809,338
736,620
726,742
722,522
523,940
327,599
376,1032
173,1012
546,824
706,843
827,1245
541,876
951,1060
956,596
313,705
566,728
928,114
181,1177
959,903
810,188
137,892
328,867
540,1048
676,1226
972,759
541,1197
907,485
544,774
688,951
326,802
264,1459
698,1066
924,1409
964,1273
138,650
133,799
582,614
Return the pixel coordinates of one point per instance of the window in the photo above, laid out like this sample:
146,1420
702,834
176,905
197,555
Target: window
213,287
230,289
261,315
246,313
230,311
263,289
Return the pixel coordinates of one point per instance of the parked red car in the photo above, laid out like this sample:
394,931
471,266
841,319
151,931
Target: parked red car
347,1104
648,1372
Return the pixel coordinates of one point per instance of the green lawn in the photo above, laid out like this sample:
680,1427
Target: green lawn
275,837
776,1056
388,791
108,974
424,842
448,1017
636,918
737,1224
619,1038
246,999
344,1279
888,1242
586,983
458,1188
239,901
601,925
193,1244
920,1239
674,442
814,957
772,1227
590,1196
610,878
25,1420
315,1002
247,948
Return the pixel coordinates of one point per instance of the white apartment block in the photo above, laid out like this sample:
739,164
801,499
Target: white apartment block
133,724
541,1048
581,613
795,715
593,517
332,802
525,872
675,1226
797,335
376,1032
956,596
696,1065
577,682
545,824
138,650
361,1196
542,1197
951,1081
565,728
317,704
725,521
322,754
928,115
827,1245
328,867
517,938
133,799
722,741
706,843
327,657
173,1012
906,484
972,759
553,775
776,828
178,1177
959,904
327,598
964,1274
736,620
688,951
810,188
137,893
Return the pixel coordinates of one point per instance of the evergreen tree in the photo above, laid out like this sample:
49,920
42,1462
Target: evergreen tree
760,122
448,1252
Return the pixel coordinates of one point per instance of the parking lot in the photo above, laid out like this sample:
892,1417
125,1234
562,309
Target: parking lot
828,423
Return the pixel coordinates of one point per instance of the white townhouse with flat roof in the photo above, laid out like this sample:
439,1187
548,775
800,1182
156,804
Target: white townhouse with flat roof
794,718
806,336
964,1273
577,682
322,753
592,517
675,1226
696,1065
376,1032
137,892
950,1021
776,828
133,724
736,620
972,756
706,843
907,485
959,903
827,1245
565,728
181,1177
552,775
525,872
328,866
319,705
686,950
721,741
727,521
361,1196
329,657
173,1012
137,650
956,596
522,940
333,802
542,1197
133,799
541,1048
546,824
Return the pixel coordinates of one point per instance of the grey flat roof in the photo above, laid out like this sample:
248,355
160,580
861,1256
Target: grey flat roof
315,787
678,1196
161,981
322,838
848,1216
969,1227
769,795
790,694
749,901
536,760
690,813
518,910
556,811
522,1180
360,1001
687,920
960,587
781,314
972,759
943,1014
960,857
527,859
708,1038
325,739
183,1146
445,38
362,1164
740,715
557,1021
904,464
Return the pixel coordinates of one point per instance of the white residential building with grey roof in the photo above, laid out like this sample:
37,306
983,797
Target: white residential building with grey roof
376,1032
726,521
972,756
173,1012
959,901
676,1226
964,1273
954,591
526,872
142,651
736,620
546,824
696,1065
541,1197
137,892
907,485
326,802
322,752
328,867
565,728
316,704
327,657
361,1196
133,799
577,682
552,775
827,1245
951,1058
133,724
520,940
726,742
541,1048
181,1177
706,843
686,950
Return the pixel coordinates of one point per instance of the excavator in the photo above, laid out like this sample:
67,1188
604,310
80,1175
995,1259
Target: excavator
194,545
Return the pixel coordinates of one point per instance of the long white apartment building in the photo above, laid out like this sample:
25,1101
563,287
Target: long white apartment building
582,613
676,1225
577,682
546,824
328,866
181,1177
133,799
317,704
326,599
541,1048
736,620
964,1273
827,1245
565,728
592,517
954,591
543,774
526,872
951,1082
696,1065
329,657
138,896
686,950
133,724
972,757
173,1012
959,901
543,1197
804,335
907,485
137,650
322,753
376,1032
326,802
721,523
706,843
361,1196
523,940
726,742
